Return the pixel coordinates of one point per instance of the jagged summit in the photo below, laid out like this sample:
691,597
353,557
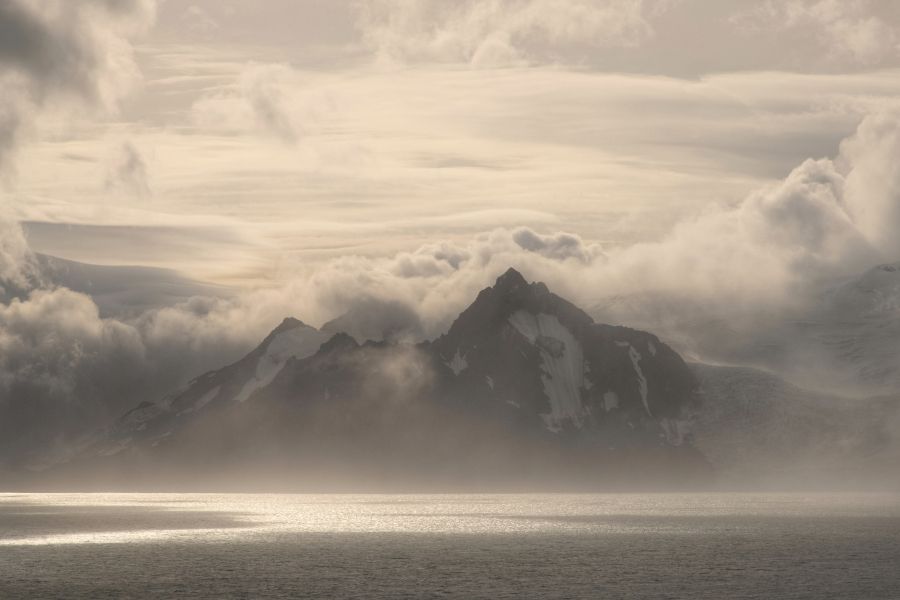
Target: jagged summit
544,355
337,343
494,306
289,323
510,280
513,282
521,371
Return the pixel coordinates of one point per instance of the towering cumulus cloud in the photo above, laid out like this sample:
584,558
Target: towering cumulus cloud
827,218
872,187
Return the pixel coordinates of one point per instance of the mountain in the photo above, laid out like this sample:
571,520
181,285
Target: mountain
843,339
522,346
758,430
150,423
125,291
524,388
64,374
874,294
119,292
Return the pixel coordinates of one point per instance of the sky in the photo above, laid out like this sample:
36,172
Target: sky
242,141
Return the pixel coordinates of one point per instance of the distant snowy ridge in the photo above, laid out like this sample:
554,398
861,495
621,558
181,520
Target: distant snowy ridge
296,342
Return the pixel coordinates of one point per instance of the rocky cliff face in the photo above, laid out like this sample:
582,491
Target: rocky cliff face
521,346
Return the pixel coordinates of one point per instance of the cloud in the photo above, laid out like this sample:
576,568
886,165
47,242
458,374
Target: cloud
502,32
774,250
872,184
65,371
826,219
371,319
16,259
270,98
771,251
61,368
262,89
422,145
845,29
127,172
65,53
558,246
199,22
756,253
55,351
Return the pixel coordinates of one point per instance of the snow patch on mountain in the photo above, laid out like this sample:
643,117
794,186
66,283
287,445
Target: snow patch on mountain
115,448
299,342
875,293
636,357
562,365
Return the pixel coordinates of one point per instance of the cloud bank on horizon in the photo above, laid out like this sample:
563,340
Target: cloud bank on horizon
407,153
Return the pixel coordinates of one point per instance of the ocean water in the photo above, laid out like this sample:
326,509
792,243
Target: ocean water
716,546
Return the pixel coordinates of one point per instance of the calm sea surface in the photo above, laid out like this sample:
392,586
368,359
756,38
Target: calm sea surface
716,546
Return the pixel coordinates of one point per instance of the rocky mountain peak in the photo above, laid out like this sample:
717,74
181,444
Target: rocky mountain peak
338,343
511,293
289,323
520,364
509,281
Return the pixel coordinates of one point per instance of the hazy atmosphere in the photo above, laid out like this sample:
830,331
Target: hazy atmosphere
420,298
180,177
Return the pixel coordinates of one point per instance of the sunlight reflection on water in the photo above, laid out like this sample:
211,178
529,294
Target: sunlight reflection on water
700,546
263,516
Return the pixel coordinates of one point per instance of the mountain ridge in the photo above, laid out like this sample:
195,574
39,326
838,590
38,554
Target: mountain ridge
522,376
493,403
